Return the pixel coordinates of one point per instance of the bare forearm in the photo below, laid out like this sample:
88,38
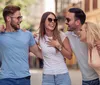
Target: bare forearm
39,55
66,53
36,51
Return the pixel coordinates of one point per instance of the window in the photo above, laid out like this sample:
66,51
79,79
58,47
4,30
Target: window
87,5
94,4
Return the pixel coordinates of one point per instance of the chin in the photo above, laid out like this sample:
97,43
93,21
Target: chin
16,28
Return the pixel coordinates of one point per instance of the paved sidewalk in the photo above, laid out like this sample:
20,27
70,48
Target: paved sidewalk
76,77
36,78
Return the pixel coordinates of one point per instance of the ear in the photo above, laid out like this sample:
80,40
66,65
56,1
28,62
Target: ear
77,22
8,18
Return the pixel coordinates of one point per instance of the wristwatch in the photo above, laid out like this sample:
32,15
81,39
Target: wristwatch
59,47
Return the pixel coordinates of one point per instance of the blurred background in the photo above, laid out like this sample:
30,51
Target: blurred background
32,11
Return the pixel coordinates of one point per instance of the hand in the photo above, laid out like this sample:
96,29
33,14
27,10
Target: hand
2,28
36,35
53,43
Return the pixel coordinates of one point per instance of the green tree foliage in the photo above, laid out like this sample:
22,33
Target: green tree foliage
24,4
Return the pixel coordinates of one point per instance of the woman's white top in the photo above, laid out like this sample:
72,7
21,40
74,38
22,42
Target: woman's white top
53,60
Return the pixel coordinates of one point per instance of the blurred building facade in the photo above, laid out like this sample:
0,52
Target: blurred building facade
92,9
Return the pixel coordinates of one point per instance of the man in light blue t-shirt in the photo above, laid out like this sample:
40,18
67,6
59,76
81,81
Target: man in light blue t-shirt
14,49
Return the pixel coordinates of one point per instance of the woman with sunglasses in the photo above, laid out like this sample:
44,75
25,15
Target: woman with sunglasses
55,47
90,33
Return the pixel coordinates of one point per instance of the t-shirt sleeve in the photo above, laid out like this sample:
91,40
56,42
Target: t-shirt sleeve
63,36
32,40
37,38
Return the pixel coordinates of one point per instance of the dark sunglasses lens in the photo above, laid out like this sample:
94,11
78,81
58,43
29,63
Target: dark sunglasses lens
20,17
55,20
49,19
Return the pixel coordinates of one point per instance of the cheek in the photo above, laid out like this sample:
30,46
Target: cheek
84,36
70,23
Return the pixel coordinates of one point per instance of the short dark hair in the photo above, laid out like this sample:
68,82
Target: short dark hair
79,14
9,10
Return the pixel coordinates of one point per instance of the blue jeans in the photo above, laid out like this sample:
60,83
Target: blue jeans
12,81
60,79
99,82
91,82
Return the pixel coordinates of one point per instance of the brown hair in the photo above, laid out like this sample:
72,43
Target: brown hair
9,10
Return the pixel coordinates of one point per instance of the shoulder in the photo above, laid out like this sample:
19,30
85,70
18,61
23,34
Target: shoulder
26,32
68,33
62,35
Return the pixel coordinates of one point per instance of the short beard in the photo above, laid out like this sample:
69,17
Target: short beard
71,29
14,27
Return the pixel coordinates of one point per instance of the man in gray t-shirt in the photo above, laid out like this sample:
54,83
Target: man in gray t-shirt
75,18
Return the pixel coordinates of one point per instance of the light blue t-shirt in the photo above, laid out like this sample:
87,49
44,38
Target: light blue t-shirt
14,50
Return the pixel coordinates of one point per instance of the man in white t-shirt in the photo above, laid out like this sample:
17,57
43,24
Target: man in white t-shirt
75,18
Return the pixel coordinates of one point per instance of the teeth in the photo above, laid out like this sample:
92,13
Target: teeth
50,38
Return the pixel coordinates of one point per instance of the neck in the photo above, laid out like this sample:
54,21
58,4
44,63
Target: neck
9,29
49,33
76,31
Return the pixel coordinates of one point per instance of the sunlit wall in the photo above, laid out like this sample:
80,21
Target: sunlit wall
49,5
75,1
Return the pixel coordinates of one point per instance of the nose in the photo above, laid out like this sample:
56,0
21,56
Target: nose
20,21
66,23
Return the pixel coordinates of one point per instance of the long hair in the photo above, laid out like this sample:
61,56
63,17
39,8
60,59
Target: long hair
42,32
93,33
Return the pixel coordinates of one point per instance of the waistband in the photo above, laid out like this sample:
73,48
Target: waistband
28,77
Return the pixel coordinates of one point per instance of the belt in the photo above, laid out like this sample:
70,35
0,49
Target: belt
28,77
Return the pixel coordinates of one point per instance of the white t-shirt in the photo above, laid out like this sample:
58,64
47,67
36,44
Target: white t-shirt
53,61
80,50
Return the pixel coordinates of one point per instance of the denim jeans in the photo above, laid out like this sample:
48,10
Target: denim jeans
60,79
91,82
99,82
12,81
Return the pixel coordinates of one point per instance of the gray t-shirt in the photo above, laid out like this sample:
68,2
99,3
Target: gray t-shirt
81,52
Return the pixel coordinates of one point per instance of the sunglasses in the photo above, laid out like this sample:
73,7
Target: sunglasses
67,19
50,20
19,17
